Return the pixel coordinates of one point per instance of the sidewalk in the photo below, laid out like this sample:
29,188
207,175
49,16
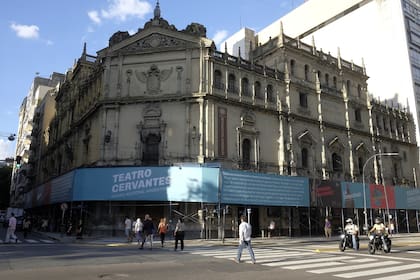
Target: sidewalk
278,240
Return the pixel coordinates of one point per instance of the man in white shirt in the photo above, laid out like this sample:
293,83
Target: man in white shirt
353,230
128,226
11,229
245,231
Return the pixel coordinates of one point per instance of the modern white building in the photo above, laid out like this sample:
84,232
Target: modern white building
382,35
39,88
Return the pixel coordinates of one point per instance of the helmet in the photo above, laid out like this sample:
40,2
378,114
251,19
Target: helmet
349,221
378,220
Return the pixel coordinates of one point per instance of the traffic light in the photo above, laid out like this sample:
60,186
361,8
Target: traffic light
18,160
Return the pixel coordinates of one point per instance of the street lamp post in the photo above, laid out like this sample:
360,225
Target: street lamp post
364,186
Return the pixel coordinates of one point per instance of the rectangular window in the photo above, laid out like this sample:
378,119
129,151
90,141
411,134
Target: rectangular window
303,100
222,131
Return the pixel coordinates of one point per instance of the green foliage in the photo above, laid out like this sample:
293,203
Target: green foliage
5,177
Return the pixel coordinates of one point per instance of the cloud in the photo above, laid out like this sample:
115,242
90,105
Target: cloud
25,31
6,149
121,10
94,16
220,36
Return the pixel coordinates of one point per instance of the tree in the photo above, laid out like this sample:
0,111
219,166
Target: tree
5,180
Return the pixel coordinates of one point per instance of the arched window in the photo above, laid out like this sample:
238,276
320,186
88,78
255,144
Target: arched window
348,87
217,82
151,149
359,91
360,163
246,154
245,87
337,164
304,153
257,89
270,94
335,82
292,67
327,80
358,115
319,76
306,72
232,83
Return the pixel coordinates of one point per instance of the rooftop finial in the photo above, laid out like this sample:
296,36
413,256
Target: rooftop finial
157,10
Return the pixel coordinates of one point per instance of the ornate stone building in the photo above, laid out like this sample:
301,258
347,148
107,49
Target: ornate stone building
165,96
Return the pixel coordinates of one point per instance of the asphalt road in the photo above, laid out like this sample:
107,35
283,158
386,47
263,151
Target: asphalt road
276,259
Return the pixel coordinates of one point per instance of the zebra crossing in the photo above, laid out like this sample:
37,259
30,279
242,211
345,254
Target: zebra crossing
30,241
337,265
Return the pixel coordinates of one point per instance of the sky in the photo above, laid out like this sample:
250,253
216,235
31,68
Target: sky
46,36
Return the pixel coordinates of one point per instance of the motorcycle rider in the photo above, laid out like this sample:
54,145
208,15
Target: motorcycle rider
353,230
379,229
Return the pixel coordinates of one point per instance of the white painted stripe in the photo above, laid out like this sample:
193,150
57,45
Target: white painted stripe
381,270
31,241
361,260
413,252
312,265
277,261
307,261
212,254
46,241
345,267
282,255
406,276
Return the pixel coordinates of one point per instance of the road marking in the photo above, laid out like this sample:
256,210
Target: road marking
312,265
46,241
413,252
307,261
31,241
351,267
406,276
381,270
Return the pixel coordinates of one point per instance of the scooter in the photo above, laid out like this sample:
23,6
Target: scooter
376,244
346,241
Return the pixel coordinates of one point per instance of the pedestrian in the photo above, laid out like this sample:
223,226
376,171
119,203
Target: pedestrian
26,226
127,228
11,229
327,228
148,230
162,229
245,231
79,234
138,228
69,228
44,225
391,228
179,234
271,228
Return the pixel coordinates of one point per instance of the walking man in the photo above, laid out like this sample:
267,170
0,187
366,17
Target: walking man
148,230
245,231
11,229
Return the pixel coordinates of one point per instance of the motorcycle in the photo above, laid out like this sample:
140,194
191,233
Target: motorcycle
376,244
346,241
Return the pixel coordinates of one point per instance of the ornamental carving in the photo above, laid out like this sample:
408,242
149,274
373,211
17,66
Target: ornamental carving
155,41
153,78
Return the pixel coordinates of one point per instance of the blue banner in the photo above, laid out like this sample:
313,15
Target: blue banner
354,196
246,188
407,198
188,184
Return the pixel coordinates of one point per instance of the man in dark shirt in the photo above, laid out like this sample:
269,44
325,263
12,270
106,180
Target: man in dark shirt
148,230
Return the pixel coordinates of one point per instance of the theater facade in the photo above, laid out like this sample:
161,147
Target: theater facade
161,122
